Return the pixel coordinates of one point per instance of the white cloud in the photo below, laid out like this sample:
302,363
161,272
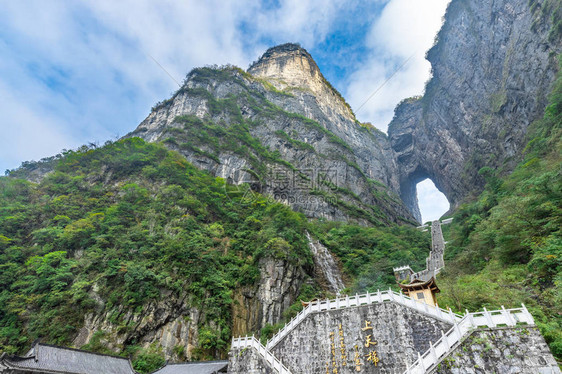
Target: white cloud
405,28
407,25
27,135
180,35
306,22
85,65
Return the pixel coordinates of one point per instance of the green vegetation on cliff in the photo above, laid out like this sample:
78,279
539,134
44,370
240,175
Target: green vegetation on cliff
369,254
246,125
118,229
505,248
128,223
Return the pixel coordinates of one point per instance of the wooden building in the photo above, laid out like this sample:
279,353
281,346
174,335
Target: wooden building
422,291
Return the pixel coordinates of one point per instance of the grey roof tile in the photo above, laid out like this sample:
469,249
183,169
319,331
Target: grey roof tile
52,359
210,367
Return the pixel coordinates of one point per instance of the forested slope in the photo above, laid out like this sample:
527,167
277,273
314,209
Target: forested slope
125,242
505,248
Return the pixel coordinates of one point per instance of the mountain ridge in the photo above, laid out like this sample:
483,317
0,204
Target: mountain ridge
264,128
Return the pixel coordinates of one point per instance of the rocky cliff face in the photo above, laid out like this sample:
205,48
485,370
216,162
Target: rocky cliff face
174,323
493,65
254,307
285,131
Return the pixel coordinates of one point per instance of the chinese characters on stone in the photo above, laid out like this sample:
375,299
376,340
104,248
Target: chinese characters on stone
368,342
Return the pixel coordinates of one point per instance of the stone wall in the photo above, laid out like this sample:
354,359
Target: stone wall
247,361
336,341
403,274
500,350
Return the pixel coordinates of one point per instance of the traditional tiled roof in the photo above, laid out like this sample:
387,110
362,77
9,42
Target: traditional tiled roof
210,367
418,284
49,359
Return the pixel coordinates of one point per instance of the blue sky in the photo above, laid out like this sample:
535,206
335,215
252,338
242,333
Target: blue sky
74,72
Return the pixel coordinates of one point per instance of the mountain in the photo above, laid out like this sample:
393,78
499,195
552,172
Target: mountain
128,248
505,247
249,191
282,128
493,65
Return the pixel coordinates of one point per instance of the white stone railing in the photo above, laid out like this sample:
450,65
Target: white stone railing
508,317
365,299
252,342
405,267
447,221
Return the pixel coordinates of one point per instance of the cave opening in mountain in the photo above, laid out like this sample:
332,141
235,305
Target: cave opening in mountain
432,202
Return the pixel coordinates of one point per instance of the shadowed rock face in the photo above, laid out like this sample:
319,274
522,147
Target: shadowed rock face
492,66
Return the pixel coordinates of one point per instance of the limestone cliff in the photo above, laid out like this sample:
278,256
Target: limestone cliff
493,65
285,131
264,303
282,128
174,323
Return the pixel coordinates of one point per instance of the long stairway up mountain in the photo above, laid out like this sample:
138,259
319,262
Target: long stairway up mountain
434,262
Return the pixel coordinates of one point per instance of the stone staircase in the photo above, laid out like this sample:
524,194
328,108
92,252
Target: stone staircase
365,299
252,342
435,261
462,328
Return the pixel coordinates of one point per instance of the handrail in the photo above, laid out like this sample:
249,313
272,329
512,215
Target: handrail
443,346
267,355
364,299
405,267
